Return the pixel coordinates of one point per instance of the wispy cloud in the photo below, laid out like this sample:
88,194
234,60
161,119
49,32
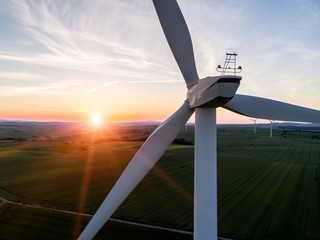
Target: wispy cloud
13,91
57,88
24,76
100,87
84,40
159,81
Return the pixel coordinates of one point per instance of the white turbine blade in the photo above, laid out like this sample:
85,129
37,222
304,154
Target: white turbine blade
258,107
142,162
178,37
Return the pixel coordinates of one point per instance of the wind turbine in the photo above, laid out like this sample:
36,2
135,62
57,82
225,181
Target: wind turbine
271,121
254,124
203,97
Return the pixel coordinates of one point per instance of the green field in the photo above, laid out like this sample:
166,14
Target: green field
266,187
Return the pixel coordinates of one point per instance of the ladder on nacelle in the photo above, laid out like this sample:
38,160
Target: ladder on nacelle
230,63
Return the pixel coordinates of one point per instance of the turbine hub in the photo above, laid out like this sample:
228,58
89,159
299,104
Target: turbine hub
213,91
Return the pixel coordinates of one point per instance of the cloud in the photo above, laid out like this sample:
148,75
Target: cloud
100,87
158,81
78,35
13,91
23,76
56,88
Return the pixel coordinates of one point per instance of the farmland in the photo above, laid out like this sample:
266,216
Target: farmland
267,187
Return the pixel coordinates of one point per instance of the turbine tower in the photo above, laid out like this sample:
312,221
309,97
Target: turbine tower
203,97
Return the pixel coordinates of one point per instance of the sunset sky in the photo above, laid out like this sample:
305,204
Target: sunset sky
69,60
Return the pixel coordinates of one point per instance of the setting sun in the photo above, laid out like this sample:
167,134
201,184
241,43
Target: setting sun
96,120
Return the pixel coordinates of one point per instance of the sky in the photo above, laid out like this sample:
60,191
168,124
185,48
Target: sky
69,60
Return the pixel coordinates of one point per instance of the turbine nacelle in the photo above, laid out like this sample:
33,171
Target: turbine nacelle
213,91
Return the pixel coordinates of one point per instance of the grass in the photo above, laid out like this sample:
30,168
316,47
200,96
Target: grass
27,223
266,188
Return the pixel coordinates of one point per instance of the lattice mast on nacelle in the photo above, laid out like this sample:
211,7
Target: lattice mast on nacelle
230,63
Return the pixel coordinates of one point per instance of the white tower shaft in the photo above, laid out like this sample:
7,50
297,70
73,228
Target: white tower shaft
205,174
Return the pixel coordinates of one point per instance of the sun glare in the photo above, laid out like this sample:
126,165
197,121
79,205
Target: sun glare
96,120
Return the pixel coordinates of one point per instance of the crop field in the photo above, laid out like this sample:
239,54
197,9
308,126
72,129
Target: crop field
267,187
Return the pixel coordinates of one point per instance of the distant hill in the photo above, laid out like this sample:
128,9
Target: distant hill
144,123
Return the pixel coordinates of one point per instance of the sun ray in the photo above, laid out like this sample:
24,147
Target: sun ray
84,186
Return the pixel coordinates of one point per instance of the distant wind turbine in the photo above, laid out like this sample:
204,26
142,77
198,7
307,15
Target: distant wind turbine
203,97
271,121
254,125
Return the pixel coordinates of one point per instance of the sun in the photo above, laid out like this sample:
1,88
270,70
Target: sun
96,120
